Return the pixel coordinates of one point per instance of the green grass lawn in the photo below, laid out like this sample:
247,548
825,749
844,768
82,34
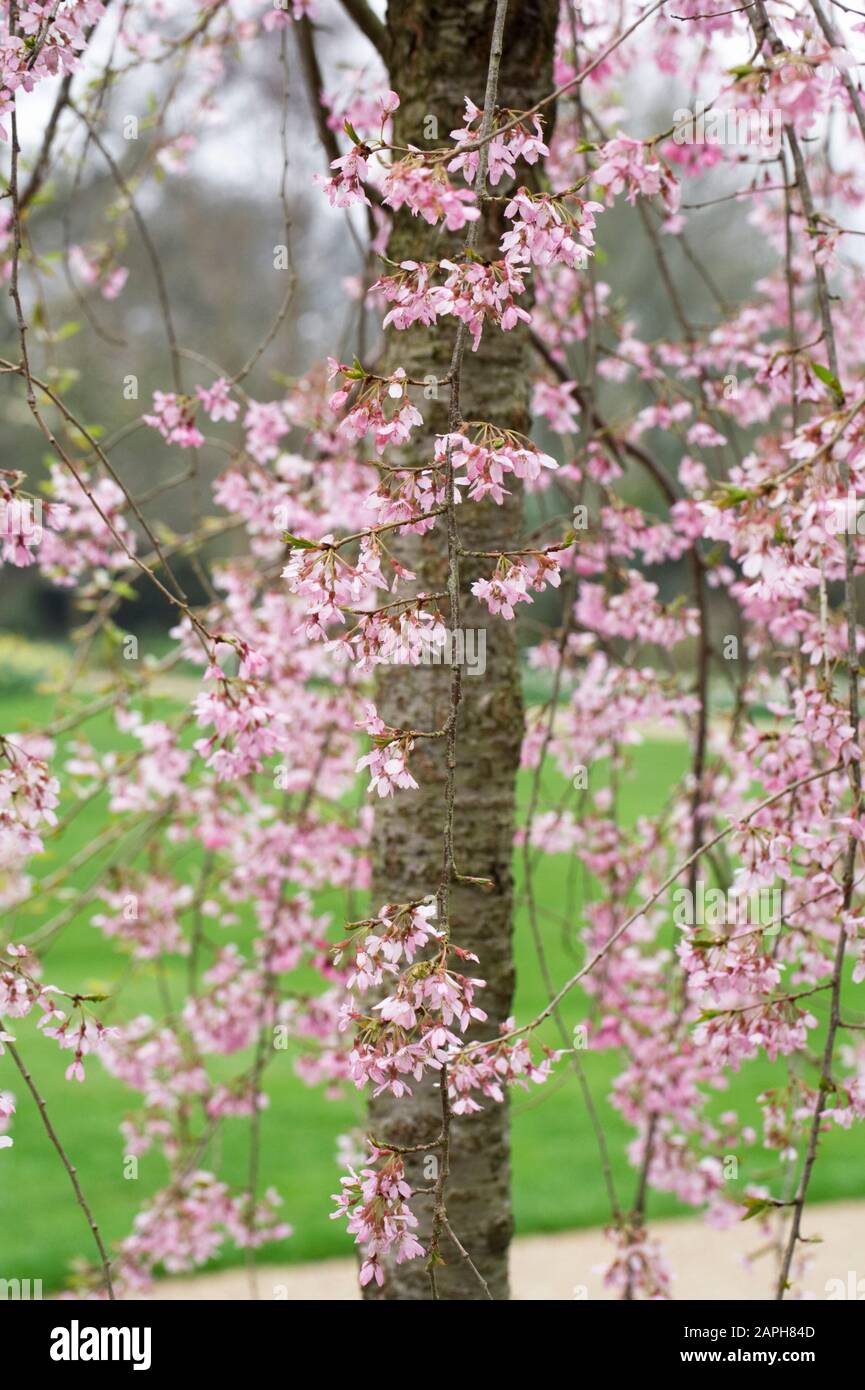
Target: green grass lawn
557,1179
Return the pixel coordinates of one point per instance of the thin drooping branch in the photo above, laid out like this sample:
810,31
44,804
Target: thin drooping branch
146,241
305,35
464,1255
668,882
279,318
618,445
39,171
833,37
314,84
531,902
67,1164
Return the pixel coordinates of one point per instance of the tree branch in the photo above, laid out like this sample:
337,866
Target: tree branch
368,23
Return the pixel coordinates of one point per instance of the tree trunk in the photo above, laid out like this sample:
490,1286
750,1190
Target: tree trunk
439,54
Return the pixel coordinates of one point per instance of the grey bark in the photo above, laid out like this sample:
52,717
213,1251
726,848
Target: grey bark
438,54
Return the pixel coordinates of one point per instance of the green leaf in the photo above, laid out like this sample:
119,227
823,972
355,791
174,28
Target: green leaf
756,1206
125,590
298,542
731,495
828,378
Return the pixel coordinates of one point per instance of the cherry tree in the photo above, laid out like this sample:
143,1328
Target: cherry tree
396,507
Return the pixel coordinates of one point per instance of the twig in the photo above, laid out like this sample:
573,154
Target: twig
67,1164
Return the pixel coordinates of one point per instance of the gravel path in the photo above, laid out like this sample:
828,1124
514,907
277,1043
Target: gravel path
709,1264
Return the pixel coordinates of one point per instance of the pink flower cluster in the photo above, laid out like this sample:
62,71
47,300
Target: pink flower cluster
522,141
144,914
186,1224
487,461
388,760
29,795
475,293
411,1029
245,731
56,36
370,398
632,165
375,1201
428,193
174,417
94,268
21,992
490,1067
549,230
512,581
